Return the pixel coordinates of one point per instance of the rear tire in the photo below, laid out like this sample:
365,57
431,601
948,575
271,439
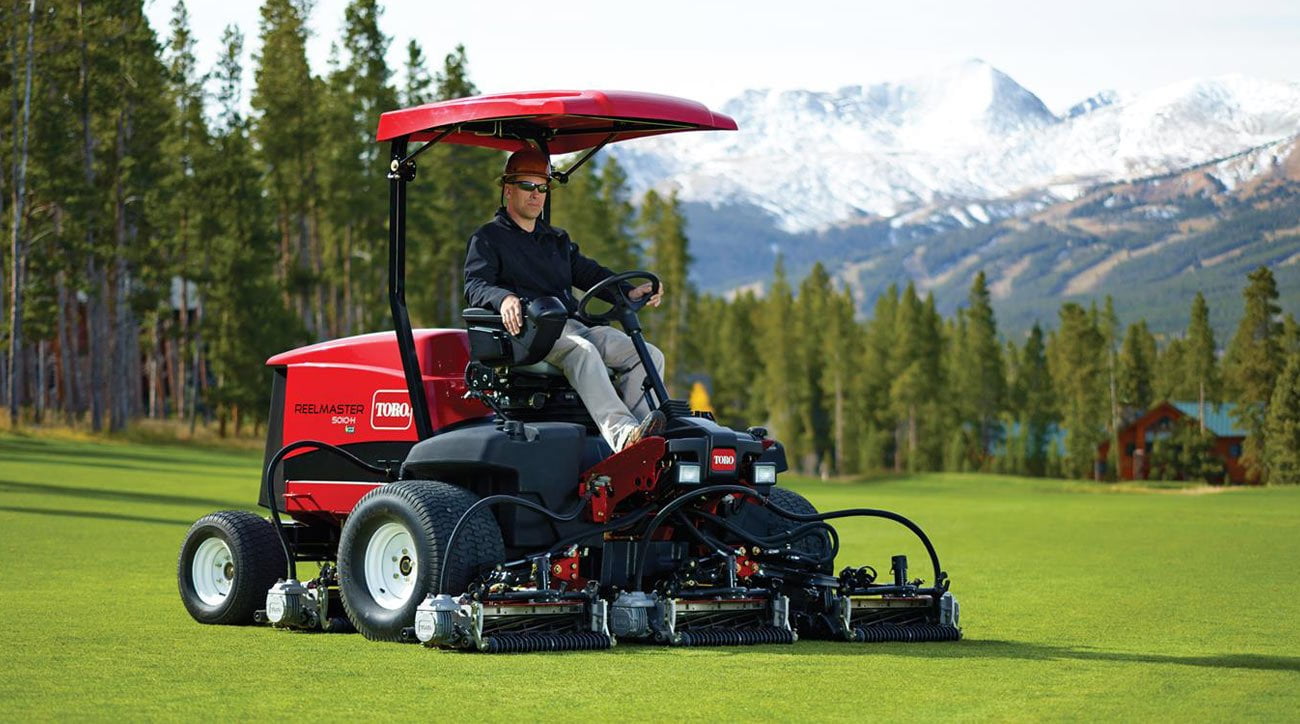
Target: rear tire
394,545
228,561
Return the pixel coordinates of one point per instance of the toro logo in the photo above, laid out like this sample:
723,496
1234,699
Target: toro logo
390,410
724,459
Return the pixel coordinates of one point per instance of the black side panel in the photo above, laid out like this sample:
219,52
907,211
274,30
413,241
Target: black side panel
542,463
274,434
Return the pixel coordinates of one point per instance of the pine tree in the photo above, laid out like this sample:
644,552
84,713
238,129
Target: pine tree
780,363
248,319
464,191
916,389
870,398
1171,371
811,310
1078,367
981,380
1037,402
1108,324
1136,361
840,338
1253,362
1282,428
663,226
1202,369
419,83
287,135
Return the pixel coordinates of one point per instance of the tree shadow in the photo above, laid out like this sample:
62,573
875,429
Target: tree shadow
42,447
994,649
123,496
119,517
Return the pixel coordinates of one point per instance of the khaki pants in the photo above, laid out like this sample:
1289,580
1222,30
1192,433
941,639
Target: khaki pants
583,353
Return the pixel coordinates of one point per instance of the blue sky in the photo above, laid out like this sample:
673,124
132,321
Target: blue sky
710,51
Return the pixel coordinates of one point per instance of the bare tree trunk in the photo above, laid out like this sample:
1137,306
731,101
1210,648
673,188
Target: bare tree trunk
97,332
42,387
898,448
95,275
913,438
66,387
169,366
1202,405
184,321
117,354
347,281
839,425
18,245
155,368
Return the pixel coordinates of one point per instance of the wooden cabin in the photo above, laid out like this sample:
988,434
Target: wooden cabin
1139,435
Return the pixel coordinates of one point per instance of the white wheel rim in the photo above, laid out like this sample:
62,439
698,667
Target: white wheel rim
391,566
213,571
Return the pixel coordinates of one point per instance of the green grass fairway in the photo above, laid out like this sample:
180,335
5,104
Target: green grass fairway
1078,601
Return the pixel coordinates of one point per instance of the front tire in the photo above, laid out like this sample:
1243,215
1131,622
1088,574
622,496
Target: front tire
228,561
763,522
394,545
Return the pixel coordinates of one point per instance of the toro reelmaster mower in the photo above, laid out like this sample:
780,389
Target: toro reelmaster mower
455,491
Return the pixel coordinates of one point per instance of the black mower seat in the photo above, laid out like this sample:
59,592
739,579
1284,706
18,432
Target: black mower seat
511,372
540,368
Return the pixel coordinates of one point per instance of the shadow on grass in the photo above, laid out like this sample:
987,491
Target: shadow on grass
993,649
122,496
95,515
112,452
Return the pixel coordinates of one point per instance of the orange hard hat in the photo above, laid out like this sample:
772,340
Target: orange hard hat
528,162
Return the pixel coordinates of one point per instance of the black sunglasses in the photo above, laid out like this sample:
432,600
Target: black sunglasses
531,186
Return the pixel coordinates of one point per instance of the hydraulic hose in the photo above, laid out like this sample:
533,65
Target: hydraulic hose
689,497
795,533
497,500
269,475
623,522
870,513
667,510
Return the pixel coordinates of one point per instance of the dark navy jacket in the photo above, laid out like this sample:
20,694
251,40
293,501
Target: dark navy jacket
503,259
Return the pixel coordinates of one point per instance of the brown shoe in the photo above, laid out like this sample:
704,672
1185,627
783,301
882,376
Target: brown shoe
652,425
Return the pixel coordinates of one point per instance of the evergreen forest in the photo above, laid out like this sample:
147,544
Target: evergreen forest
168,229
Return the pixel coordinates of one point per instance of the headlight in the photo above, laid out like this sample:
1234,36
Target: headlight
688,473
764,473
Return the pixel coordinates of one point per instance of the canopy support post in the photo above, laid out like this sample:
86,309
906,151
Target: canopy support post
401,171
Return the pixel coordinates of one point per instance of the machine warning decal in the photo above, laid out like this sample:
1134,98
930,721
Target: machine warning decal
390,410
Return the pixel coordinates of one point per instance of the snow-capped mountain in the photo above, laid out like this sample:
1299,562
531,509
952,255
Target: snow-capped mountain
969,133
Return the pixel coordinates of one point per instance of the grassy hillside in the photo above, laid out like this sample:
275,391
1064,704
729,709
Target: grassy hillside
1078,601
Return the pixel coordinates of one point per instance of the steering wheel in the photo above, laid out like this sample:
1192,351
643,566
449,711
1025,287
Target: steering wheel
621,300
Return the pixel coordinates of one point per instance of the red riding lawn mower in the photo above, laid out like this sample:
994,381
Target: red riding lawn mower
455,491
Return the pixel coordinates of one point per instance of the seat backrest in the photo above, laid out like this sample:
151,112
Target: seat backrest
491,344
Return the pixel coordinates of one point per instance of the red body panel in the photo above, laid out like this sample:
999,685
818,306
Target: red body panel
568,112
352,390
324,496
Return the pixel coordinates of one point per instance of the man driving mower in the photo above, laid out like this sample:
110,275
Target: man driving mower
519,256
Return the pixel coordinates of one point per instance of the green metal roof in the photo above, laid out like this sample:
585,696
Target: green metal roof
1218,418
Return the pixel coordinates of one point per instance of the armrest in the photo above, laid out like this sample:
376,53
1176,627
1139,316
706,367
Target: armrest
490,343
479,315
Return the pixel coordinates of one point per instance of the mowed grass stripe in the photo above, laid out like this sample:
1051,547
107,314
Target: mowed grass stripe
1079,601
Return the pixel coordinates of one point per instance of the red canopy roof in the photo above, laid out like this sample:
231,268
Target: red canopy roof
570,120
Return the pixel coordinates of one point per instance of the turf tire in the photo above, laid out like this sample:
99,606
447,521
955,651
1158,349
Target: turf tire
427,510
257,560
